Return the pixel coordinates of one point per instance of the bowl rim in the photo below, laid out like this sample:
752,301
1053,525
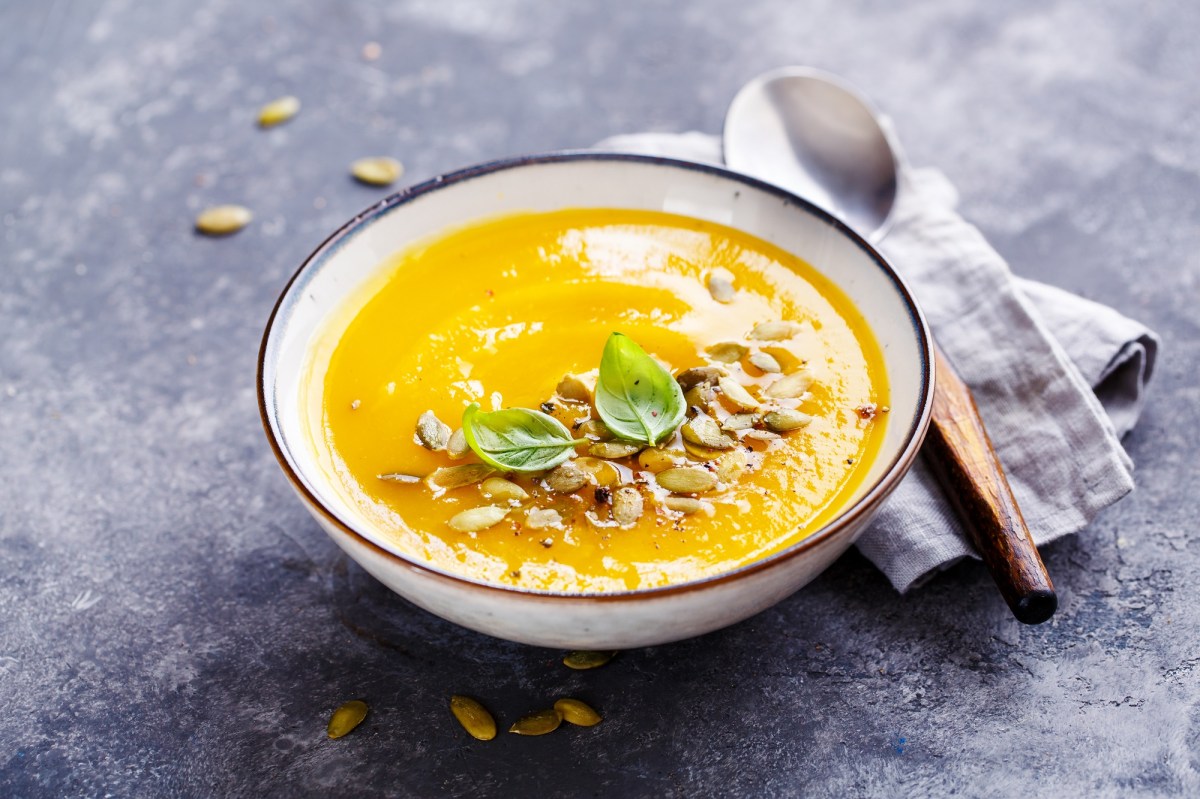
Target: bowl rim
843,522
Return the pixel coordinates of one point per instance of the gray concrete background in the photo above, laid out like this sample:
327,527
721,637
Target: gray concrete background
172,622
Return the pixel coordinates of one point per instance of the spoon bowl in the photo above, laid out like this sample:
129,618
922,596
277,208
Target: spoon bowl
840,157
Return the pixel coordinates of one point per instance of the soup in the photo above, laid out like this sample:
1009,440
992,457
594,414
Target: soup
781,401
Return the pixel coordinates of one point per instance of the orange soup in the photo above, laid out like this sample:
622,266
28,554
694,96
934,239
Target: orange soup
783,391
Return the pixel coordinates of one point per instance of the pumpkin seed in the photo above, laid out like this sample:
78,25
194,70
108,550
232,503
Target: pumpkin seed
543,519
727,352
766,362
583,659
278,111
790,387
432,432
701,452
503,490
685,505
720,285
457,447
686,480
576,712
574,389
602,472
473,717
475,519
397,477
654,459
731,465
614,449
626,505
697,375
733,391
595,429
566,477
223,220
539,722
700,397
346,718
705,431
739,421
783,420
449,477
762,435
380,171
774,331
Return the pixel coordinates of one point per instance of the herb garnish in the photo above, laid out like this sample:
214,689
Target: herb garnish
636,397
517,439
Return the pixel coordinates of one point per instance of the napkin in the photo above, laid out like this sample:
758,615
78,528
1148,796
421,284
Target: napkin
1058,379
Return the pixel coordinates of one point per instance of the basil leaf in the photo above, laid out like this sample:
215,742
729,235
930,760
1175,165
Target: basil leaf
637,398
517,439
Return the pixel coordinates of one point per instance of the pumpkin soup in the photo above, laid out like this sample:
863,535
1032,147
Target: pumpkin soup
597,400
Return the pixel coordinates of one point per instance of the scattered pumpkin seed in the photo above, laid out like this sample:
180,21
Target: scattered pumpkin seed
397,477
766,362
685,505
539,722
705,431
731,465
720,285
791,386
503,490
686,480
543,519
346,718
223,220
655,459
576,712
566,477
774,331
380,171
701,452
473,717
457,447
626,505
762,435
574,389
700,396
739,421
582,660
595,429
689,378
601,471
432,432
783,420
473,520
278,111
448,477
737,394
614,449
727,352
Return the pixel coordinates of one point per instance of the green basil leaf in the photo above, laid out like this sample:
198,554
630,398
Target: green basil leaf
637,398
517,439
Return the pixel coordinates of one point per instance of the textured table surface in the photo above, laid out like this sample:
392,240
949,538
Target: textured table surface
173,623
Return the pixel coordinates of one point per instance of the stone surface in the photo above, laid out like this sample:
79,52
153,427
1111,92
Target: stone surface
173,623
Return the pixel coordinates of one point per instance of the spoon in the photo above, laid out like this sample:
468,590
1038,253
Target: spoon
812,133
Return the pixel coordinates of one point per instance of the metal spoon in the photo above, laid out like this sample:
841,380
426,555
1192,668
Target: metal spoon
813,134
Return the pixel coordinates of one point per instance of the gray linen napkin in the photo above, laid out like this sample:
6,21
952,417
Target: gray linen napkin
1058,379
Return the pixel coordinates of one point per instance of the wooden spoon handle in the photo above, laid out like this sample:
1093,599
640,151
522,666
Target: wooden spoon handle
962,455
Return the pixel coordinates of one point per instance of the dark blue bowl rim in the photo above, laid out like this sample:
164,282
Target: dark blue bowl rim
294,290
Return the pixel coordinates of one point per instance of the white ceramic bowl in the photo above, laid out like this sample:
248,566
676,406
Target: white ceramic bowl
601,180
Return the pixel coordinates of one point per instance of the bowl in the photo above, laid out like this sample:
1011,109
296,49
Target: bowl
354,253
